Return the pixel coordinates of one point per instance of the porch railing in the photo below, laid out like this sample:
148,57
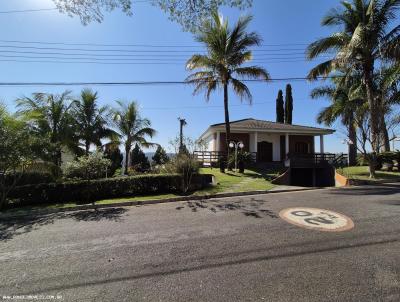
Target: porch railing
316,159
214,156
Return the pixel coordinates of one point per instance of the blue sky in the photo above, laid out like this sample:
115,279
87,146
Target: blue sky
280,22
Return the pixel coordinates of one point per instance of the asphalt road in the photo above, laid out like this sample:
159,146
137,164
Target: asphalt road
232,249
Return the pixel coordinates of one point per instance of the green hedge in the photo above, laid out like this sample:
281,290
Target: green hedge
29,178
89,191
86,191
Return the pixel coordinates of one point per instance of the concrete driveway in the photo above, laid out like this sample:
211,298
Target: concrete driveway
232,249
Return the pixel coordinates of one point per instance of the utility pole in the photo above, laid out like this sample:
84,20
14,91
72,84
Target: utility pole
182,123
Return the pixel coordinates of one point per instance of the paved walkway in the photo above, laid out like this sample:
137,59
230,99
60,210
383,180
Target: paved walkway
287,188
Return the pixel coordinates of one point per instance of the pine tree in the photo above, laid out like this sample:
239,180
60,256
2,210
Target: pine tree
288,105
160,157
280,111
139,160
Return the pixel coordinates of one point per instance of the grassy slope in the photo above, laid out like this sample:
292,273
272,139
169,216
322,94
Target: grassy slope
361,172
230,181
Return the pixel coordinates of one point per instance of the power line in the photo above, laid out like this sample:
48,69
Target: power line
137,83
155,60
134,45
134,55
133,63
52,9
27,10
134,50
214,106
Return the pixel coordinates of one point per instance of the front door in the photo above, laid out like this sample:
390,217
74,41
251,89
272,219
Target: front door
264,152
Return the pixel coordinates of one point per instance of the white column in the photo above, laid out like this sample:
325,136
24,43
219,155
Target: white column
255,141
286,144
321,144
218,142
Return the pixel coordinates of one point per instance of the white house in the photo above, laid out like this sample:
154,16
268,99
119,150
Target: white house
268,141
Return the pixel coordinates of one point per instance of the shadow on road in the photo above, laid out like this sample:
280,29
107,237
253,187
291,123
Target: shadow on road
250,208
14,226
220,261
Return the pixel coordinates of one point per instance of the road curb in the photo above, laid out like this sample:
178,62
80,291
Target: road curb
150,202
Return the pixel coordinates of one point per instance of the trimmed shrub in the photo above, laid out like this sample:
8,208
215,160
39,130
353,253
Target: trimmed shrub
29,178
91,190
184,165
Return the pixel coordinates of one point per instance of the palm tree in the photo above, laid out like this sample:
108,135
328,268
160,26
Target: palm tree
343,106
388,94
227,50
50,117
132,128
364,37
91,120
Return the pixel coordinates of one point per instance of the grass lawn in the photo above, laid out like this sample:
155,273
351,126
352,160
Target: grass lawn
361,172
251,180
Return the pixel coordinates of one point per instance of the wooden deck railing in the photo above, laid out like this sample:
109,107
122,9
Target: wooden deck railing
316,159
214,156
296,160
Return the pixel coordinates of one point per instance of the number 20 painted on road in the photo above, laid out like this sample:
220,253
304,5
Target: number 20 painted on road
317,219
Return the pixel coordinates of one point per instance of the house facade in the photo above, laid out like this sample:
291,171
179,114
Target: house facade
267,141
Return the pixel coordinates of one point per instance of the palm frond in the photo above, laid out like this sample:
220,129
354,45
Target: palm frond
252,72
242,90
334,42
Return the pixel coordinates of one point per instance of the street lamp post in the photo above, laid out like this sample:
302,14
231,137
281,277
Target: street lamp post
235,145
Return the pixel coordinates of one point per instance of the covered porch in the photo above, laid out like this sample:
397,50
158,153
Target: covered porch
267,147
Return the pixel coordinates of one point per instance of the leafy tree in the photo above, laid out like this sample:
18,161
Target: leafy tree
92,10
131,128
50,118
280,111
112,152
364,36
91,120
15,153
188,13
139,160
227,50
288,105
160,157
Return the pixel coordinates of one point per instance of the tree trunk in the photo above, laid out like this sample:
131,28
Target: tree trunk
87,147
374,117
227,124
353,138
385,135
127,151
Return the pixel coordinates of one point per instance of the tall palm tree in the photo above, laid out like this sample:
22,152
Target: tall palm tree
388,94
363,38
50,117
91,120
227,50
132,128
344,106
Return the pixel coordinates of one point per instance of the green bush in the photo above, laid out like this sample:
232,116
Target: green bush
28,178
243,158
86,191
92,166
186,166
